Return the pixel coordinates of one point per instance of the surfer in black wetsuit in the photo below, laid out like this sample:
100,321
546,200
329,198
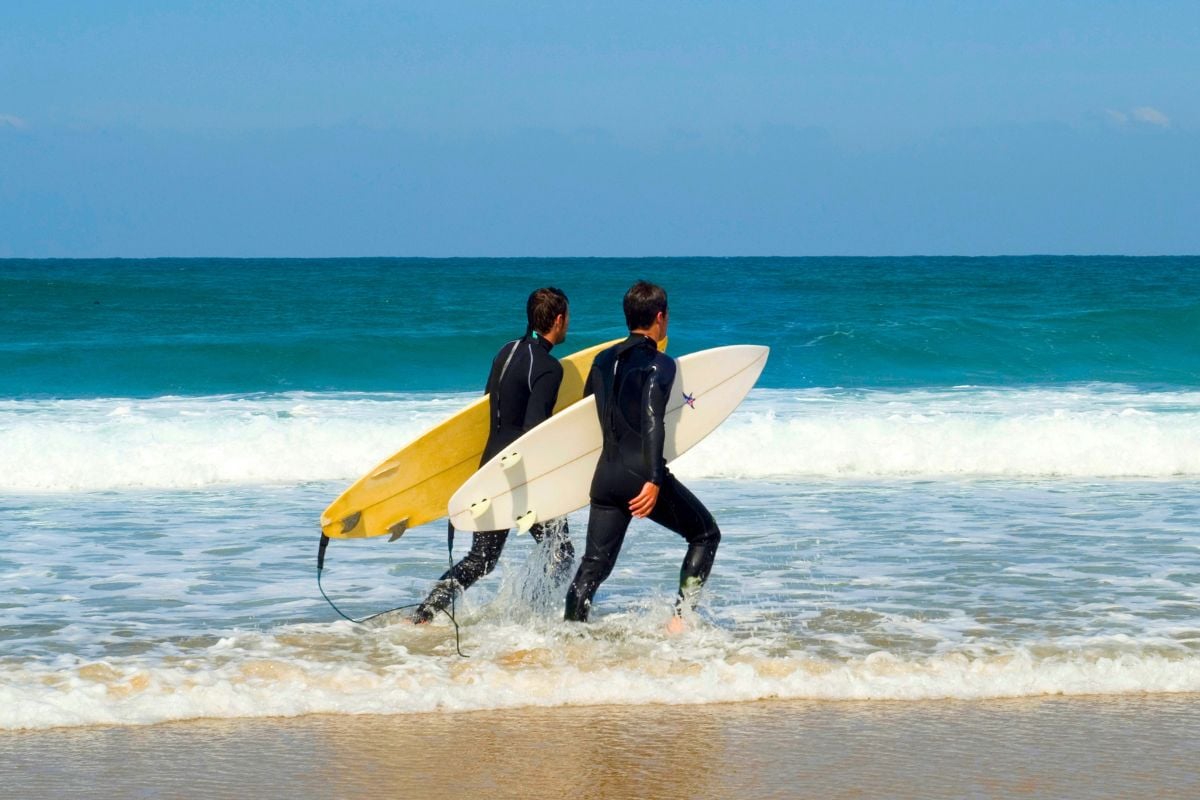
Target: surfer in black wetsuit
522,388
632,382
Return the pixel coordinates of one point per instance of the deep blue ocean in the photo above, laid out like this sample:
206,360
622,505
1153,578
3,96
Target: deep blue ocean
957,477
120,328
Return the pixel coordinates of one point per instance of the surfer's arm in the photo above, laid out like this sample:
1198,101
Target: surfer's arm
654,410
542,396
588,388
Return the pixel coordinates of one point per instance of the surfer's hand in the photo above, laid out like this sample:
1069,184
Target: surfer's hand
643,504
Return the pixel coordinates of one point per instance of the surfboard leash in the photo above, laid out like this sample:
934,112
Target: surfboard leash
321,568
453,594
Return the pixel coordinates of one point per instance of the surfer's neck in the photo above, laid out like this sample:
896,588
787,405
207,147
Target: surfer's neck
655,332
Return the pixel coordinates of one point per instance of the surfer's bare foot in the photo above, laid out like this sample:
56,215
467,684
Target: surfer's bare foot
676,625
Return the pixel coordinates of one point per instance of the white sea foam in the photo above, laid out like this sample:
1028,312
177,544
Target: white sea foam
1093,431
171,442
340,670
1078,432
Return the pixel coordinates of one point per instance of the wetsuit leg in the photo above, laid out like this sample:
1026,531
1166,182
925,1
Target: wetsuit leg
605,535
479,561
679,510
557,536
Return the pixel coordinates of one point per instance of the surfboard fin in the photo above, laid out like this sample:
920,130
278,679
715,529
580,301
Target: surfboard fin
480,507
525,521
510,460
351,522
398,529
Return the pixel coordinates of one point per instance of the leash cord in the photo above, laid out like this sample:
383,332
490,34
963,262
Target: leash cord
344,615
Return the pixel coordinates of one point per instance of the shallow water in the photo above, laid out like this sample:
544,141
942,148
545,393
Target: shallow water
958,478
174,605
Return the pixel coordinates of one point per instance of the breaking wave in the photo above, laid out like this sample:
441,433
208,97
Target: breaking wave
192,442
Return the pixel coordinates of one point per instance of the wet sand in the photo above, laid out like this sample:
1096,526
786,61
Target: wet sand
1135,747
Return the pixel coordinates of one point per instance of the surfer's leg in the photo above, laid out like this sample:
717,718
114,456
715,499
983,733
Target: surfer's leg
605,534
556,535
679,510
481,559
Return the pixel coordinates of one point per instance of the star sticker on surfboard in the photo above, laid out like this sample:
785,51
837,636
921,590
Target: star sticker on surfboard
690,399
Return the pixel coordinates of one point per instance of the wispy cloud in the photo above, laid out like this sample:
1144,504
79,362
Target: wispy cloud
10,121
1142,115
1151,116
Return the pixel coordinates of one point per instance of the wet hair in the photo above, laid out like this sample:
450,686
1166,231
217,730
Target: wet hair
543,307
643,301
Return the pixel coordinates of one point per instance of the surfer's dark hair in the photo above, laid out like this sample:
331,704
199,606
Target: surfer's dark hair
643,301
543,307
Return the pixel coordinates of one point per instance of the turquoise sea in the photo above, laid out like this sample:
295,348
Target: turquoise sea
966,478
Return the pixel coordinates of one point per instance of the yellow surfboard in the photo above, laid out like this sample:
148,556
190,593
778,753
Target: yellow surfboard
414,485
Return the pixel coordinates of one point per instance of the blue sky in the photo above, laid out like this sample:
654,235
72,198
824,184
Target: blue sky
372,128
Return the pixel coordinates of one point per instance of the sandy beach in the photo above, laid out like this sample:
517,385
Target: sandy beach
1134,747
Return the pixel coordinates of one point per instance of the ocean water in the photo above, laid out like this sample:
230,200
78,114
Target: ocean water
957,478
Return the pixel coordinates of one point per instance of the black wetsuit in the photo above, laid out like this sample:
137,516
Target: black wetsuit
522,388
632,383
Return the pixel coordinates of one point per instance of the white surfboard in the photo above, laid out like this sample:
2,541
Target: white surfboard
548,471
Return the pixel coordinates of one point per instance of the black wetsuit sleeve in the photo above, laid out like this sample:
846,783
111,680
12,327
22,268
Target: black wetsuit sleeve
542,396
657,391
589,388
